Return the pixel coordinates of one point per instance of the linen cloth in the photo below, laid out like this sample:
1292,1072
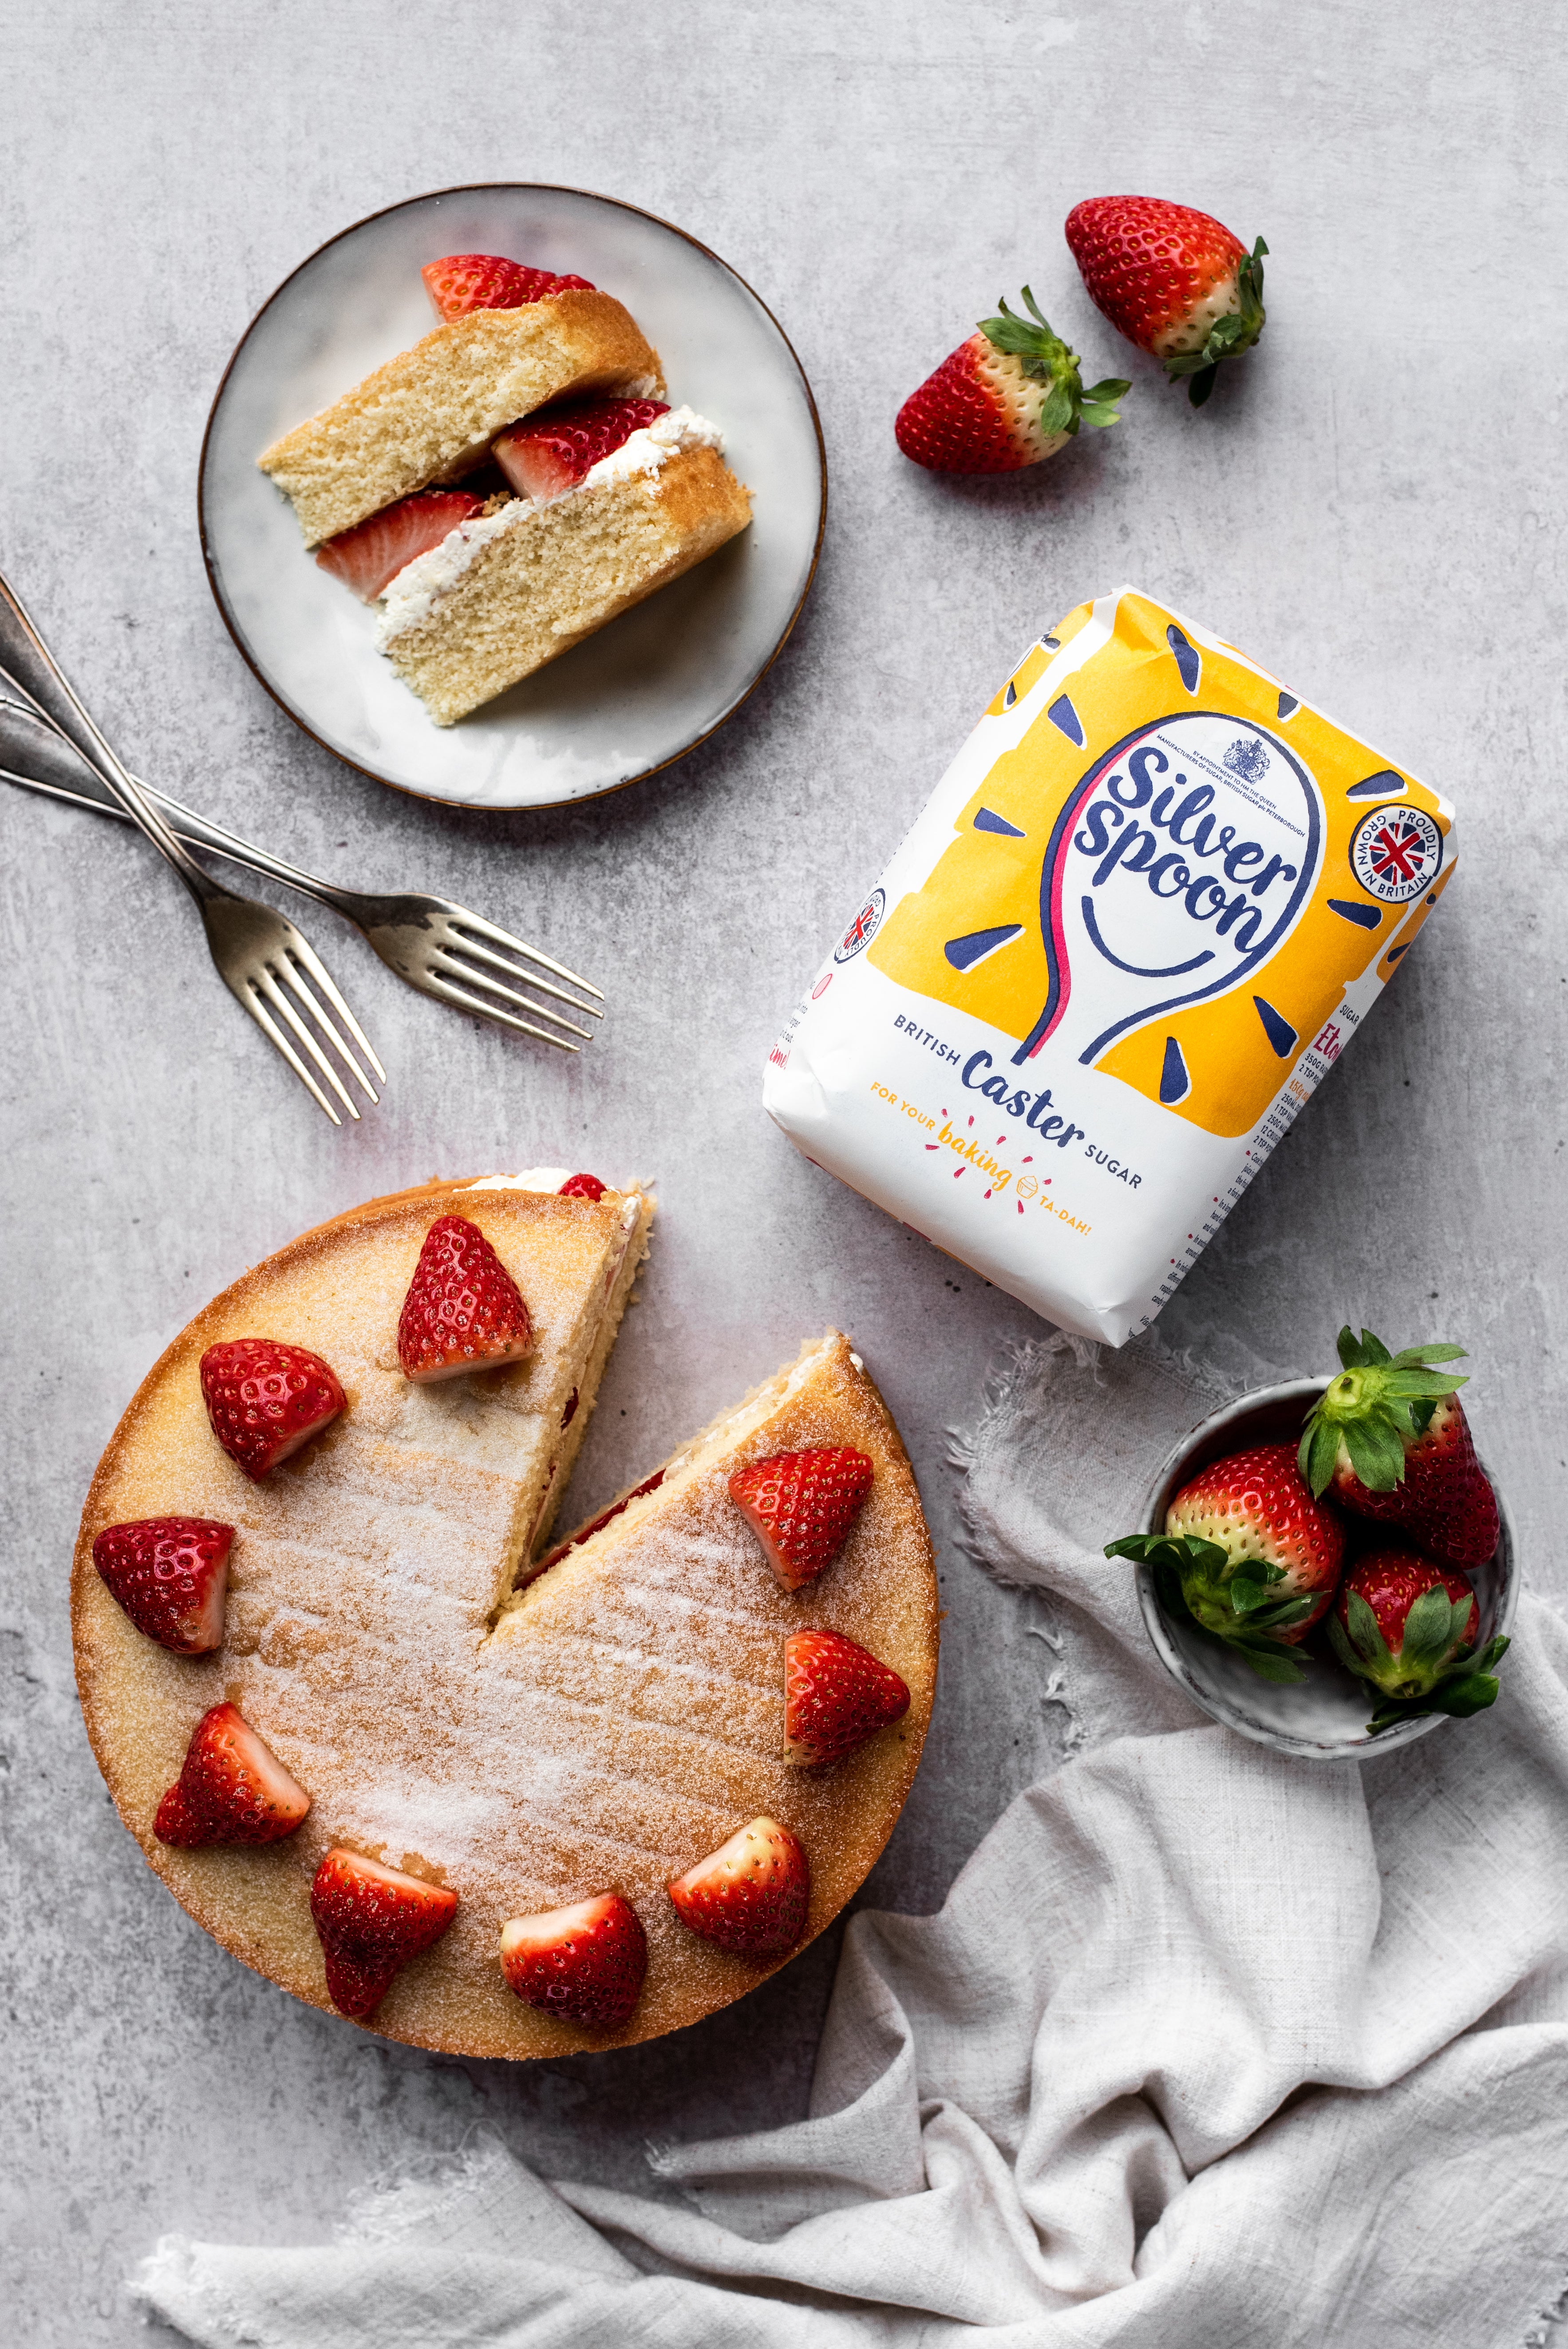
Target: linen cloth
1208,2048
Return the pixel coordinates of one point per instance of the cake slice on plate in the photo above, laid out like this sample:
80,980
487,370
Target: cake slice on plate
547,387
529,576
532,1734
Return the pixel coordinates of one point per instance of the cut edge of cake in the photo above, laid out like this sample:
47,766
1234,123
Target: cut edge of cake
688,1461
637,1211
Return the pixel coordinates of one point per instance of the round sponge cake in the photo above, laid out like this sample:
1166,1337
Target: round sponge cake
599,1727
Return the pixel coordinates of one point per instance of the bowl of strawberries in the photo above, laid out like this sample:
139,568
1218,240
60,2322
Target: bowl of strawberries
1325,1566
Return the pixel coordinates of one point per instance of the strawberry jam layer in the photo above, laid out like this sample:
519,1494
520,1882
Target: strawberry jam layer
597,1525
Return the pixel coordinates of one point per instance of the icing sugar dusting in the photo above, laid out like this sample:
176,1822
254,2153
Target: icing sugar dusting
622,1718
623,1714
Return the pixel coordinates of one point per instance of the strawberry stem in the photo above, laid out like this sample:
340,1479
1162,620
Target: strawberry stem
1229,336
1234,1603
1046,360
1378,1406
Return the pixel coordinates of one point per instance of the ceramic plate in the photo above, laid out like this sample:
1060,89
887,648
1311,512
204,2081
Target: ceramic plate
646,689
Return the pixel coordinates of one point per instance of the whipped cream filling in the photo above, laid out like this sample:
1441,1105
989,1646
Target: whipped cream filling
551,1178
644,450
408,599
537,1178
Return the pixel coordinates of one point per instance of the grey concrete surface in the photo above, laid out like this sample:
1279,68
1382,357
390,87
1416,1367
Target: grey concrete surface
1372,506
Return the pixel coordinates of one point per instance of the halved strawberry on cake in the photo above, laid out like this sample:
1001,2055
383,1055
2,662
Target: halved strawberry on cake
510,484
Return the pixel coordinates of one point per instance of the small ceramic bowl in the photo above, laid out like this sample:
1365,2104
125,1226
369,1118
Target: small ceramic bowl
1323,1718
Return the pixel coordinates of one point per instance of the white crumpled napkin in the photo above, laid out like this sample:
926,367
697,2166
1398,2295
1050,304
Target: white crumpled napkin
1207,2050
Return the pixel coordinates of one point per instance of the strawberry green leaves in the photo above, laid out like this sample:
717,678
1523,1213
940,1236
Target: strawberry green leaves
1435,1670
1099,404
1433,1628
1377,1407
1229,336
1468,1687
1241,1607
1046,360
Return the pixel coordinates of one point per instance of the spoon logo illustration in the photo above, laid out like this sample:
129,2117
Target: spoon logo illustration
1176,867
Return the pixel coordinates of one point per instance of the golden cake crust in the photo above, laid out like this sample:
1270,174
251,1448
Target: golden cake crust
565,569
429,414
602,1728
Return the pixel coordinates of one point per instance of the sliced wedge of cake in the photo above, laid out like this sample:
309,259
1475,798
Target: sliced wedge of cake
515,586
431,413
467,1742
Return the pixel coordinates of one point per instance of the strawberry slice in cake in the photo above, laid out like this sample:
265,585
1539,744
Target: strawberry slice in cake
461,282
609,493
368,557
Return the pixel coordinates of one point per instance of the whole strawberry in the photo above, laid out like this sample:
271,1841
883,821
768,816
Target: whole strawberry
463,1310
801,1504
1172,280
171,1577
1009,397
1408,1627
1389,1439
1248,1555
264,1399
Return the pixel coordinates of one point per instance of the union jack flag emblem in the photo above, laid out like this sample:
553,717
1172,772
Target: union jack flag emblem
1398,853
863,930
1395,854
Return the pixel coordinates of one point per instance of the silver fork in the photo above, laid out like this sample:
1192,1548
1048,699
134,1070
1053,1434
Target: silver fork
435,945
261,957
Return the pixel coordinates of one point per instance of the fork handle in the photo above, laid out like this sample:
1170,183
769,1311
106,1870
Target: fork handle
42,678
34,754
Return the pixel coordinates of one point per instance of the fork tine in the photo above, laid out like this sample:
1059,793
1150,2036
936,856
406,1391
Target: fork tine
461,971
431,983
286,969
323,978
265,984
269,1027
482,954
477,923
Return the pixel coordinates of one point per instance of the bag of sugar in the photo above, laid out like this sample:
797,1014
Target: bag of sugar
1144,911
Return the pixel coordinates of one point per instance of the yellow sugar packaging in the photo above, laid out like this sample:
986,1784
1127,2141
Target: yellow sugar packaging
1144,911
